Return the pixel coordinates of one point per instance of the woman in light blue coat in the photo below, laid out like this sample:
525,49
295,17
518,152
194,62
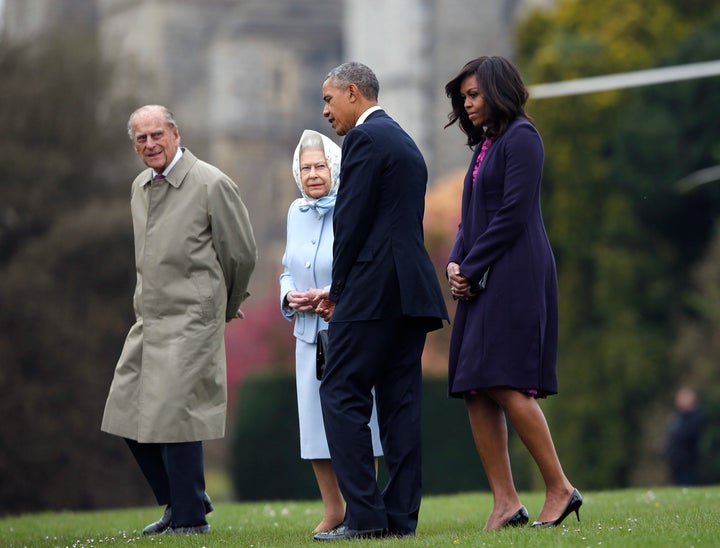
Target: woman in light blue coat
307,273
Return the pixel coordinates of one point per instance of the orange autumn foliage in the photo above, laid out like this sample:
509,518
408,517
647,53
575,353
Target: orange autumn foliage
442,216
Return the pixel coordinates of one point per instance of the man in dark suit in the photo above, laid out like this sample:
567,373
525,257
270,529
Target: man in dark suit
384,298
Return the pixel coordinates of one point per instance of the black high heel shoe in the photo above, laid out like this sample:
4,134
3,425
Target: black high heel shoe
573,505
518,519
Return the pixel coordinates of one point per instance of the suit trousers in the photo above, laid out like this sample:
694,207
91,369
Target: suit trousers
175,472
384,354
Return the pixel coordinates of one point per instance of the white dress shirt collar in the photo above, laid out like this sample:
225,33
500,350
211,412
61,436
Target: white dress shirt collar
367,113
178,155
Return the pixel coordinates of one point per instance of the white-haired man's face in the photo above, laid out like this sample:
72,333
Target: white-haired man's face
154,140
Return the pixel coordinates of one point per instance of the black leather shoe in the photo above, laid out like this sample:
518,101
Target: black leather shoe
208,503
160,525
163,523
343,532
518,519
194,530
573,505
400,534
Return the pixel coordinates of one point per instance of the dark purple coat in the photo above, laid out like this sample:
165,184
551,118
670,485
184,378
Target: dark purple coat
508,334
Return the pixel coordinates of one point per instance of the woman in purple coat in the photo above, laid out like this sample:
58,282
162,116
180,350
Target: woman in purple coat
502,272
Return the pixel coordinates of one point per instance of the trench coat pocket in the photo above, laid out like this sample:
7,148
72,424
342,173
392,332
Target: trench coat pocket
203,287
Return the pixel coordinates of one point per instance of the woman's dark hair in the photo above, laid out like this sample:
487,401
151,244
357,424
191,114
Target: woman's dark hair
502,89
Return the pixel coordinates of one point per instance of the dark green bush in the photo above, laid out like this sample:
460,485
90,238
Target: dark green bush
266,460
708,471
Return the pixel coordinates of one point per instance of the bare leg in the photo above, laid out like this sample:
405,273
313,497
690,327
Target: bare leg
489,429
529,422
333,503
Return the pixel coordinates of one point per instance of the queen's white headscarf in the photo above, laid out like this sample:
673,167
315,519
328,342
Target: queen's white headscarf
313,140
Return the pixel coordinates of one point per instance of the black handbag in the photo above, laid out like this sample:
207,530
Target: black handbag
321,353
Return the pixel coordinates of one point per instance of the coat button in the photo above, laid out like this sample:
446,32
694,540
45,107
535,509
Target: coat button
313,241
307,264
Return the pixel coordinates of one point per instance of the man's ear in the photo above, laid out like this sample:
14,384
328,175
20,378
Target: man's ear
354,93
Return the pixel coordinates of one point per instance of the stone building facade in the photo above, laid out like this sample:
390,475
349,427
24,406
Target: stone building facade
244,76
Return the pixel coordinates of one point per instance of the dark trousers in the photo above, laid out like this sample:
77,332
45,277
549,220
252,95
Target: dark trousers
384,354
176,476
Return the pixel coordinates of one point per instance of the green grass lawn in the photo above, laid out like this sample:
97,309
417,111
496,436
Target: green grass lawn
671,517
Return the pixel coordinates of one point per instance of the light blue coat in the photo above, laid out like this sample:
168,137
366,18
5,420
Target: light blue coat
307,263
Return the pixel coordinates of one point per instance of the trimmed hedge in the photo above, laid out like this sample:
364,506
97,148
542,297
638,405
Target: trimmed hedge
266,462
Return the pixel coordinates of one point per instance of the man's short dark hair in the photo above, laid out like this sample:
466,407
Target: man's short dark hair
358,74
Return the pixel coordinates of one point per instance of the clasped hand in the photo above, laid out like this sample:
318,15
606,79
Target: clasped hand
460,287
312,300
324,307
239,315
304,301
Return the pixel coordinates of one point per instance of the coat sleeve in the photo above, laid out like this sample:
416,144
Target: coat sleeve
233,239
456,254
523,152
356,204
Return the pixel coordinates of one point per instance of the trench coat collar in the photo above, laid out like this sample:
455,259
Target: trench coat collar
177,173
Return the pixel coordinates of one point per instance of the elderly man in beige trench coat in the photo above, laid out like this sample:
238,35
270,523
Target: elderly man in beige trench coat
194,253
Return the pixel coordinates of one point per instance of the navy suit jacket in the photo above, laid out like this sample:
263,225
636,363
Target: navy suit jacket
381,268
